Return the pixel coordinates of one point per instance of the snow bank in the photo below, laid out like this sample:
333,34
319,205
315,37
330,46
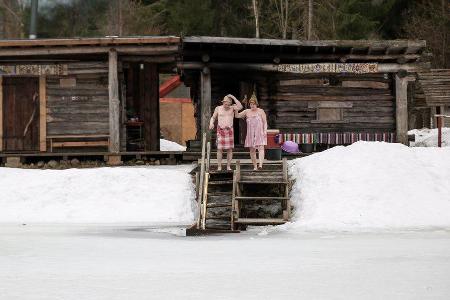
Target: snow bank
429,137
166,145
372,186
103,195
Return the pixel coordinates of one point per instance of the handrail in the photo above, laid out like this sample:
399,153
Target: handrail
202,179
439,118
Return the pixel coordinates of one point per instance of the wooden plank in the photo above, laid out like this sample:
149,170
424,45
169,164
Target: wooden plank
42,114
255,221
365,84
202,180
80,144
205,101
205,200
1,113
151,107
141,50
330,104
401,105
114,111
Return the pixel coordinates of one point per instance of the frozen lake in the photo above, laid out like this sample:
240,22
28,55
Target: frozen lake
117,262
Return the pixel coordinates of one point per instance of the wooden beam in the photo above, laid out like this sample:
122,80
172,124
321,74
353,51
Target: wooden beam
90,41
42,114
382,68
143,50
151,107
114,111
1,113
205,100
401,108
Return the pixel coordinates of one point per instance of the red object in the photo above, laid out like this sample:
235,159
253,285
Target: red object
439,125
169,85
271,138
175,100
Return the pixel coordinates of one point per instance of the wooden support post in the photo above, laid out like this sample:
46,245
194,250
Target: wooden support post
114,110
205,101
1,113
401,108
42,114
151,107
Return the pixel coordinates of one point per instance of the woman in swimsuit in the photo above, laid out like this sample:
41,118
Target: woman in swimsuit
256,131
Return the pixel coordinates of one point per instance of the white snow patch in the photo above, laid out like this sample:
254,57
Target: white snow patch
101,195
429,137
166,145
372,185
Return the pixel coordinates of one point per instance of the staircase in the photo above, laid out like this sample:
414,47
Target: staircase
229,201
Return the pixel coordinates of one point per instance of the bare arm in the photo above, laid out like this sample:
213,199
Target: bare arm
213,118
238,106
240,115
264,119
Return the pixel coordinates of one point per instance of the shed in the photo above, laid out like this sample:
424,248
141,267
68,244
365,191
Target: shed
325,92
64,95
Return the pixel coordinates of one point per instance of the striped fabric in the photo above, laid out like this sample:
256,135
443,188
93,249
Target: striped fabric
337,138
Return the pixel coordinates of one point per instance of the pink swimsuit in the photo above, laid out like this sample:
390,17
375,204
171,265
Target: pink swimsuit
255,132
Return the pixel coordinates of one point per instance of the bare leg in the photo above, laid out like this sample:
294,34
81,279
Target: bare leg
261,156
229,158
219,159
253,157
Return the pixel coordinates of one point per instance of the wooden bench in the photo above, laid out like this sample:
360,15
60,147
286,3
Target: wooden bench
86,140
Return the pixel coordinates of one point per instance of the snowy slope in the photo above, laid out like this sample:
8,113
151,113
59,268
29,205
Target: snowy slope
429,137
103,195
372,185
166,145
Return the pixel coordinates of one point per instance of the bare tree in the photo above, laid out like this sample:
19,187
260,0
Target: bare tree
429,20
12,18
310,18
256,14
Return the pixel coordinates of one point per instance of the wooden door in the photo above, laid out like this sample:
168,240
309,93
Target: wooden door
20,114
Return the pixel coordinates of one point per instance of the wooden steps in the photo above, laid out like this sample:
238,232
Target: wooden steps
231,200
251,221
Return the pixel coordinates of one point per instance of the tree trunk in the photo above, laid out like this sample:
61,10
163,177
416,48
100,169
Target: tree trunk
256,14
310,18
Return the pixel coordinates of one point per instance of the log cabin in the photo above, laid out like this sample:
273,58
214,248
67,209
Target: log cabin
89,95
82,95
320,92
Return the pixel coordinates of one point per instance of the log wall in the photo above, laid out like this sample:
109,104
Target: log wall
78,103
291,101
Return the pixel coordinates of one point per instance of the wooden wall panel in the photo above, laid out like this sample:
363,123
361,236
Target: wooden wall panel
79,109
1,113
42,114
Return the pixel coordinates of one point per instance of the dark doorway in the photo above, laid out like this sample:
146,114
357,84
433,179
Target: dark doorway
20,114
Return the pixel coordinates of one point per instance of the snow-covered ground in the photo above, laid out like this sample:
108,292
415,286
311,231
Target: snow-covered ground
372,221
113,263
429,137
99,195
372,186
166,145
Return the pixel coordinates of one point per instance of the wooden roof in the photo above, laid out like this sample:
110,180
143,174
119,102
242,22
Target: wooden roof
267,50
433,87
144,45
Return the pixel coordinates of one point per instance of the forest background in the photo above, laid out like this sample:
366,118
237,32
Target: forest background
280,19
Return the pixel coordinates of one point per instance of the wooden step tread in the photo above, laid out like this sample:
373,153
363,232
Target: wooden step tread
214,205
261,198
218,218
260,221
262,182
219,194
220,182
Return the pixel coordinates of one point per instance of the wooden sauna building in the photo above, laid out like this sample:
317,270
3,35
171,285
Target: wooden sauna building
315,92
82,96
